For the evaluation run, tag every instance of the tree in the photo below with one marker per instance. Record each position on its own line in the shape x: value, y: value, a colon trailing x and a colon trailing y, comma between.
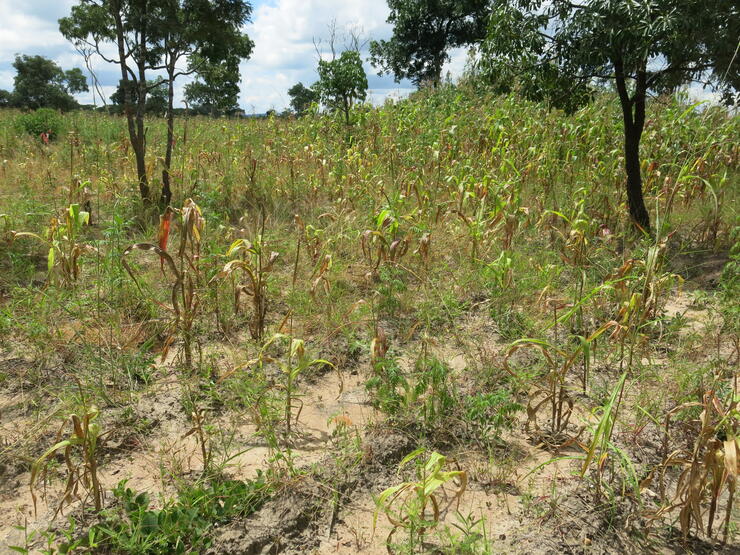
x: 157, y: 35
x: 423, y: 32
x: 6, y: 98
x: 206, y: 33
x: 558, y: 49
x: 41, y: 83
x: 342, y: 82
x: 125, y: 24
x: 156, y: 98
x: 301, y: 98
x: 216, y: 91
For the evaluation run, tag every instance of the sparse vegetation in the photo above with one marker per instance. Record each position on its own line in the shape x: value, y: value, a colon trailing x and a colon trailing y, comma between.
x: 471, y: 299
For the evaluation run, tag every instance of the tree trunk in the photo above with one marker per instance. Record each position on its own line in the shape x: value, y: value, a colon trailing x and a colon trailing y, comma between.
x: 133, y: 130
x: 140, y: 147
x: 166, y: 196
x: 346, y: 105
x: 141, y: 54
x: 638, y: 212
x: 633, y: 112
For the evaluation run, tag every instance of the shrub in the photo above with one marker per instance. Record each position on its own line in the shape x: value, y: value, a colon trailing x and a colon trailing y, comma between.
x: 43, y: 120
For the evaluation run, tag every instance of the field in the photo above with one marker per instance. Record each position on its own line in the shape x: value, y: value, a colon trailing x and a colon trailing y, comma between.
x: 434, y: 331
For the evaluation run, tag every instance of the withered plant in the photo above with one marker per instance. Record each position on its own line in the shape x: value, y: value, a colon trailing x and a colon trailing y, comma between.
x: 256, y: 266
x: 709, y: 472
x: 81, y: 457
x: 186, y: 270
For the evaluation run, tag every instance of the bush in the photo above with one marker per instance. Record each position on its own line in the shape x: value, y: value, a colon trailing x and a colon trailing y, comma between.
x: 43, y: 120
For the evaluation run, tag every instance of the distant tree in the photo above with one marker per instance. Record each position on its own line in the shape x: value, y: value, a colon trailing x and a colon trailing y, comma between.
x: 6, y: 98
x: 342, y: 82
x: 423, y: 32
x: 301, y: 98
x: 156, y: 98
x: 41, y: 83
x: 216, y: 90
x: 556, y: 50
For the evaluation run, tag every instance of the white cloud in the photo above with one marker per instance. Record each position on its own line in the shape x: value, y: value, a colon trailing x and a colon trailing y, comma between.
x: 282, y: 30
x: 26, y: 27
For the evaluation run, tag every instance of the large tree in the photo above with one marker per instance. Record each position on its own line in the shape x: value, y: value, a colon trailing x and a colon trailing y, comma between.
x: 423, y: 32
x: 556, y: 50
x: 125, y: 25
x: 41, y: 83
x: 157, y: 35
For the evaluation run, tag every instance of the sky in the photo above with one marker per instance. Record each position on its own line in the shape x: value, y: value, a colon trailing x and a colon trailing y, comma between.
x: 283, y: 32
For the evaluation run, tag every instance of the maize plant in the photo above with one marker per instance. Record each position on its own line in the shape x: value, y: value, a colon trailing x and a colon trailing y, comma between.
x: 555, y: 393
x: 709, y: 472
x: 62, y: 240
x: 256, y: 266
x: 186, y: 272
x: 417, y: 506
x: 85, y: 439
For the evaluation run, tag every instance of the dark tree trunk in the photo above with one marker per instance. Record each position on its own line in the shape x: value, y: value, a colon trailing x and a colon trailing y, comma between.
x: 166, y: 196
x: 140, y: 147
x: 638, y: 212
x: 135, y: 131
x: 633, y: 112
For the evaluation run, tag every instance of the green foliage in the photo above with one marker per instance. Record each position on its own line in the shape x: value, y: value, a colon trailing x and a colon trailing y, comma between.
x: 41, y: 83
x: 216, y: 91
x: 43, y: 120
x: 601, y: 38
x: 423, y: 32
x: 181, y: 526
x: 425, y: 396
x: 6, y: 98
x: 342, y: 82
x: 301, y: 98
x: 156, y: 96
x: 491, y: 413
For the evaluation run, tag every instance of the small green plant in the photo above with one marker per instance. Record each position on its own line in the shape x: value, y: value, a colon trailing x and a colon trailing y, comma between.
x: 491, y: 413
x: 43, y: 120
x: 416, y: 506
x: 62, y: 240
x: 182, y: 525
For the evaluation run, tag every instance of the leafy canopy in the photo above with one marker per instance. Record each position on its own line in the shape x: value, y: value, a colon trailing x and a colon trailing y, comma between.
x: 41, y: 83
x: 301, y: 98
x: 423, y: 32
x: 342, y: 81
x: 216, y: 89
x: 156, y: 97
x: 557, y: 50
